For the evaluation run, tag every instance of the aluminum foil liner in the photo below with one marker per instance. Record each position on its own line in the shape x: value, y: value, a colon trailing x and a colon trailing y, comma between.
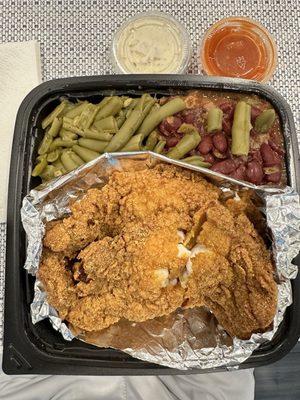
x: 186, y: 338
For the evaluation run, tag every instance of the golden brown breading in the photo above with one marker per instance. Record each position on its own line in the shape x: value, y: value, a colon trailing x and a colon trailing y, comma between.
x: 122, y: 245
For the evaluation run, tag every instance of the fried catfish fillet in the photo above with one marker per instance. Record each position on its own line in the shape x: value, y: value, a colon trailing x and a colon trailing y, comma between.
x: 119, y: 254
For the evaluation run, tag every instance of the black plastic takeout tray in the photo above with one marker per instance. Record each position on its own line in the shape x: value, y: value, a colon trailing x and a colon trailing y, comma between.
x: 39, y: 349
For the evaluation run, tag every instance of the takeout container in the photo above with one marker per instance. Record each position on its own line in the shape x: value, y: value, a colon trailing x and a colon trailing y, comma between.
x: 39, y: 349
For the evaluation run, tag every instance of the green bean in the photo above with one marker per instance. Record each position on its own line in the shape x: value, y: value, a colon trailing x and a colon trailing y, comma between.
x: 128, y: 101
x: 70, y: 106
x: 78, y: 160
x: 92, y: 144
x: 160, y: 147
x: 134, y: 144
x: 112, y: 107
x: 59, y: 166
x: 120, y: 118
x: 153, y: 120
x: 68, y: 124
x: 48, y: 173
x: 68, y: 162
x: 77, y: 110
x: 46, y: 144
x: 98, y: 135
x: 241, y: 127
x: 55, y: 113
x: 67, y: 135
x: 86, y: 154
x: 55, y: 127
x: 189, y: 142
x: 151, y: 141
x: 54, y: 155
x: 39, y: 168
x: 131, y: 124
x: 61, y: 143
x: 199, y: 163
x: 214, y: 119
x: 106, y: 124
x: 86, y: 118
x: 192, y: 158
x: 265, y: 121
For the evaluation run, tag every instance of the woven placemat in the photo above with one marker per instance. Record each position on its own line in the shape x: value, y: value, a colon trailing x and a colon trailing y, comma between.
x: 76, y: 35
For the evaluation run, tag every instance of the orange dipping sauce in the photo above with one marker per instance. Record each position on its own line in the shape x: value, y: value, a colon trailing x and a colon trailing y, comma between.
x: 239, y: 47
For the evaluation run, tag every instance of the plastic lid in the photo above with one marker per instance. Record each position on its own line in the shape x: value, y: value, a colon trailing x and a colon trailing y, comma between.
x: 151, y: 42
x: 239, y: 47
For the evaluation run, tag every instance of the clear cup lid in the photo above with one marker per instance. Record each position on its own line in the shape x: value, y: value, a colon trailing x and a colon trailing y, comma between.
x: 151, y: 42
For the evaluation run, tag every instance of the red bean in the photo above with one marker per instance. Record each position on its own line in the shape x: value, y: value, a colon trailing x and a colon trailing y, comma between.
x: 209, y: 158
x: 228, y: 108
x: 220, y: 142
x: 163, y: 130
x: 239, y: 173
x: 269, y: 156
x: 276, y: 148
x: 205, y: 145
x: 254, y: 172
x: 172, y: 141
x: 255, y: 111
x: 226, y: 125
x: 224, y: 167
x: 274, y: 178
x: 171, y: 124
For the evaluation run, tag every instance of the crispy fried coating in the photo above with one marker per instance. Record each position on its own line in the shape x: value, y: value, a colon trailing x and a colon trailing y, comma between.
x: 117, y: 255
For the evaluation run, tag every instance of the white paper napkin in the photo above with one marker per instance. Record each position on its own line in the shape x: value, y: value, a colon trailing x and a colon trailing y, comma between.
x: 20, y: 71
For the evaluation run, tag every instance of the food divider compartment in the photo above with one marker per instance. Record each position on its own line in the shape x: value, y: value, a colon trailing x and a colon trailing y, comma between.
x: 39, y: 349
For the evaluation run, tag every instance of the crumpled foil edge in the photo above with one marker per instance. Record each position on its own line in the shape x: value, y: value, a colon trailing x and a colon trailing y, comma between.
x: 283, y: 216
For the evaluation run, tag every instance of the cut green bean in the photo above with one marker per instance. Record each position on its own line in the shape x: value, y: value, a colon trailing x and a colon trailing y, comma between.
x: 61, y: 143
x: 55, y: 113
x: 189, y: 142
x: 199, y: 163
x: 241, y: 129
x: 106, y: 124
x: 68, y: 162
x: 68, y: 124
x: 154, y: 119
x: 214, y: 119
x: 134, y: 144
x: 46, y: 144
x: 112, y: 107
x: 86, y: 118
x: 265, y: 121
x: 39, y: 168
x: 192, y: 158
x: 92, y: 144
x: 159, y: 148
x: 98, y: 135
x: 59, y: 166
x: 131, y: 124
x: 48, y: 173
x: 120, y: 118
x: 54, y: 155
x: 78, y: 160
x: 67, y: 135
x: 151, y: 141
x: 86, y: 154
x: 77, y: 110
x: 55, y: 127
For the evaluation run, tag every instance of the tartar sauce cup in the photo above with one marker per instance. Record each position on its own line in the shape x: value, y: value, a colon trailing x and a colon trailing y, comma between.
x: 151, y: 42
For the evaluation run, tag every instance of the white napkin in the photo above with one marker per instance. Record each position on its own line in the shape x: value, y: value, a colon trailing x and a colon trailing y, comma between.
x: 20, y: 71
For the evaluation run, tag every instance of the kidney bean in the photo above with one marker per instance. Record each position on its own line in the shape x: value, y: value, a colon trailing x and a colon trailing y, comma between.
x: 228, y: 108
x: 220, y: 142
x: 172, y: 141
x: 226, y: 125
x: 206, y: 145
x: 171, y: 124
x: 224, y: 167
x: 255, y: 155
x: 269, y: 156
x: 254, y: 172
x: 163, y: 130
x: 209, y: 158
x: 274, y: 177
x: 255, y: 111
x: 239, y: 173
x: 274, y: 147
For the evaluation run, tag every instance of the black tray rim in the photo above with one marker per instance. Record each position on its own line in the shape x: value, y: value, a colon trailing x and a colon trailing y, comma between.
x: 21, y: 355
